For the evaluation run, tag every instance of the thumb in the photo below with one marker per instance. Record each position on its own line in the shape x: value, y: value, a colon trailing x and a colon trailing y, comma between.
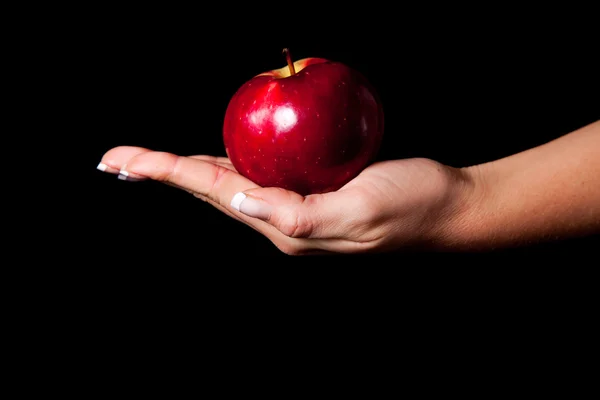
x: 315, y: 216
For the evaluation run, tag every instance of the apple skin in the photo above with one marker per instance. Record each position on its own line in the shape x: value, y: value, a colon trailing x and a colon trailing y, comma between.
x: 309, y: 132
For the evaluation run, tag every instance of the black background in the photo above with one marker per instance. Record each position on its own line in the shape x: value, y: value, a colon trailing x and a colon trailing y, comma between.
x: 458, y: 86
x: 137, y: 271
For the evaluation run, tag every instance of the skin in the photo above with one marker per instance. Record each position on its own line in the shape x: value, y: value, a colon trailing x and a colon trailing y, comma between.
x: 548, y: 192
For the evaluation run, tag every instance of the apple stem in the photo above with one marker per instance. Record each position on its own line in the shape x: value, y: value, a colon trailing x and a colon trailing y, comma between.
x: 290, y: 63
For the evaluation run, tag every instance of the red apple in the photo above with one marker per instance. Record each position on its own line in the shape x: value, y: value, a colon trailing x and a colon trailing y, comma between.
x: 309, y: 127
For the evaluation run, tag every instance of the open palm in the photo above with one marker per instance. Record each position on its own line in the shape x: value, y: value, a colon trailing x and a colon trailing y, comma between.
x: 390, y: 204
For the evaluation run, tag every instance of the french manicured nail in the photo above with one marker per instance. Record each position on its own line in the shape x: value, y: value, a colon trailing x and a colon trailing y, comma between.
x: 251, y: 206
x: 129, y: 177
x: 102, y: 167
x: 106, y: 168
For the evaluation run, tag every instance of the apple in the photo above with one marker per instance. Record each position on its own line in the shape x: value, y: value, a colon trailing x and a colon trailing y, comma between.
x: 309, y: 127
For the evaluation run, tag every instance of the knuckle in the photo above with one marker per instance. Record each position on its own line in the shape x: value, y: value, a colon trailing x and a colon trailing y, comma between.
x: 295, y: 225
x: 219, y: 174
x: 175, y: 167
x: 289, y: 226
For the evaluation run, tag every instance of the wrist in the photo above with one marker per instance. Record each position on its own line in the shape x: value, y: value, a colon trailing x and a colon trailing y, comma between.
x: 462, y: 216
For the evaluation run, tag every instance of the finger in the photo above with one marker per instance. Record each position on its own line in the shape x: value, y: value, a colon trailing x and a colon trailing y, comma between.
x: 215, y: 182
x: 194, y: 176
x: 288, y: 245
x: 115, y: 158
x: 285, y: 244
x: 125, y: 174
x: 260, y: 226
x: 334, y: 215
x: 295, y: 246
x: 218, y: 185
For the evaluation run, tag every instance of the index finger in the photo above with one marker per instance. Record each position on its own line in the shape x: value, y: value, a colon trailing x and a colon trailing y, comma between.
x: 117, y: 157
x: 213, y: 181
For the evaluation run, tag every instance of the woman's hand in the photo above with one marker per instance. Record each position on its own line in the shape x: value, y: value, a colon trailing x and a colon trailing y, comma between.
x: 551, y: 191
x: 390, y: 205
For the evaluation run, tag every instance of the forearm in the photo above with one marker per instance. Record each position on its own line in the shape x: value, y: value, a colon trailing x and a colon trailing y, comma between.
x: 549, y: 192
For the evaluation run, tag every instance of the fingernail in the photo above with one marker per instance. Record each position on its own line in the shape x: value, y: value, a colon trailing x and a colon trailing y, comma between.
x: 107, y: 168
x: 251, y: 206
x: 126, y: 176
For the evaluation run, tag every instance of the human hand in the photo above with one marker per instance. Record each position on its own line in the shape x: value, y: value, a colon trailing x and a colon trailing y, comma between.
x: 390, y: 205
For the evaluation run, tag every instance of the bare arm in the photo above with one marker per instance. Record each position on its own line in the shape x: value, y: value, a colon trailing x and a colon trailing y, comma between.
x: 548, y: 192
x: 551, y: 191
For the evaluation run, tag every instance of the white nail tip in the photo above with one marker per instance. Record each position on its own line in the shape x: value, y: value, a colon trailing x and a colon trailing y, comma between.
x: 124, y: 173
x: 122, y: 177
x: 102, y: 167
x: 237, y: 200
